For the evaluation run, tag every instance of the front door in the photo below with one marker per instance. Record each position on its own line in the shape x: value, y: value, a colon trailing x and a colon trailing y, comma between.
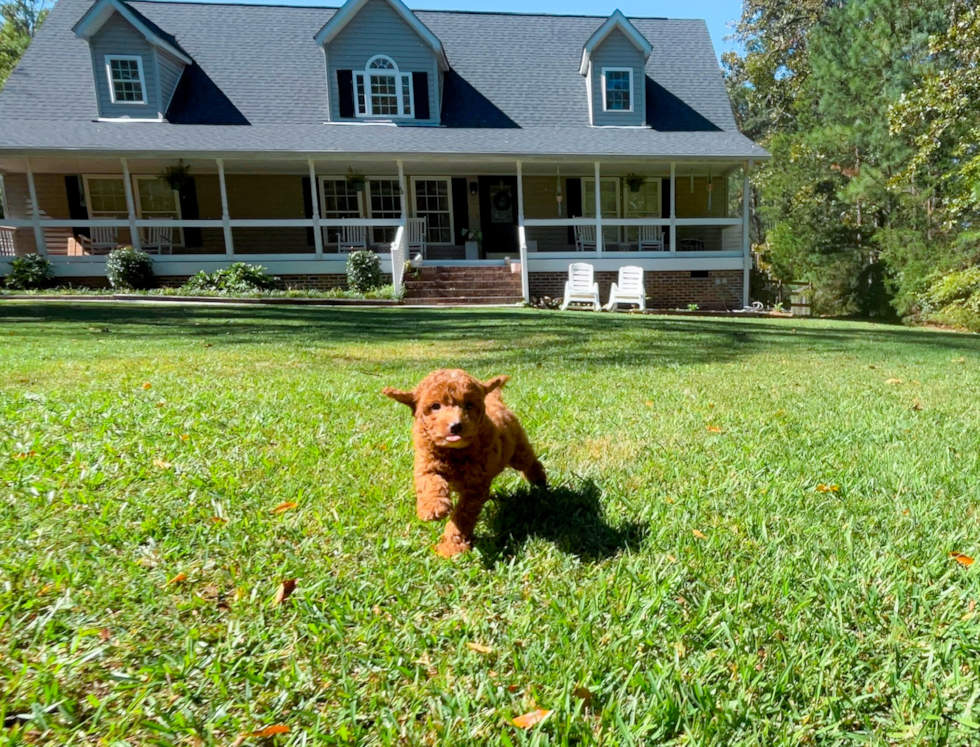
x: 498, y: 216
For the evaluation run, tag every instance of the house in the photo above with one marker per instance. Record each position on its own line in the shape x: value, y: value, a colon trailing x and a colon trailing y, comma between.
x: 294, y: 134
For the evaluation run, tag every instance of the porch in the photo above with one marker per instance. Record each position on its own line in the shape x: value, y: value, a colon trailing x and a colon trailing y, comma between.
x: 296, y: 215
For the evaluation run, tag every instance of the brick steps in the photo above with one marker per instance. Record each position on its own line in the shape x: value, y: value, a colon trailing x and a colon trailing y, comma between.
x: 463, y: 285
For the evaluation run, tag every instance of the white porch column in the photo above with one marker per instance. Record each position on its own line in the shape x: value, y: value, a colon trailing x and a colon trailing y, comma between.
x: 315, y: 195
x: 134, y: 232
x: 403, y: 190
x: 746, y: 246
x: 598, y: 211
x: 225, y: 216
x: 673, y: 208
x: 522, y: 233
x: 42, y: 247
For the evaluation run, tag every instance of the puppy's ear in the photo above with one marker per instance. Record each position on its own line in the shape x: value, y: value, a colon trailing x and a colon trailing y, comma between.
x: 495, y: 383
x: 406, y: 398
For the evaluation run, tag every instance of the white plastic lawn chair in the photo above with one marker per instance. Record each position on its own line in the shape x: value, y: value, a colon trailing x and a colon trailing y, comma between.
x: 581, y: 286
x: 352, y: 238
x: 416, y: 236
x: 628, y: 289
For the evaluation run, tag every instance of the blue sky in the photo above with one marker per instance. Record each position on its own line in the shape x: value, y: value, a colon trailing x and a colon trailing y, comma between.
x: 719, y: 14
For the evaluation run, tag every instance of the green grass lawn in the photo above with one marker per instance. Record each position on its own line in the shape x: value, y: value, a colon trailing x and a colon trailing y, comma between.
x: 747, y: 542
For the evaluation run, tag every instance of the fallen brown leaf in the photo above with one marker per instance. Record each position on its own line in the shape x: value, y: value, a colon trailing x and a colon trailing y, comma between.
x: 531, y: 718
x: 583, y: 694
x: 105, y: 634
x: 961, y: 558
x: 269, y: 731
x: 25, y: 454
x: 479, y: 648
x: 162, y: 464
x: 177, y: 579
x: 892, y: 382
x: 512, y: 688
x: 283, y: 507
x: 218, y: 520
x: 699, y: 535
x: 671, y: 558
x: 821, y: 488
x: 147, y: 385
x: 714, y: 429
x: 285, y: 589
x: 184, y: 436
x: 916, y: 405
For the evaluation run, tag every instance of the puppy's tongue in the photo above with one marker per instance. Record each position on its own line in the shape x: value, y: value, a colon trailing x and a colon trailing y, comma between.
x: 452, y: 438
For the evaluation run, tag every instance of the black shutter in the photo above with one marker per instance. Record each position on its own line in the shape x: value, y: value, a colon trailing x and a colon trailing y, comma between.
x: 420, y: 90
x: 188, y: 211
x: 76, y: 204
x: 345, y: 93
x: 461, y: 207
x: 308, y: 209
x: 573, y: 198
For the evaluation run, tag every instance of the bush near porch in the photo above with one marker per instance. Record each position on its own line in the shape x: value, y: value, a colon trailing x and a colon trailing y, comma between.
x: 748, y: 541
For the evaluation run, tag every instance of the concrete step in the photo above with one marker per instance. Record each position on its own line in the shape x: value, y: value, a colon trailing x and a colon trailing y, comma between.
x: 424, y: 286
x: 465, y: 300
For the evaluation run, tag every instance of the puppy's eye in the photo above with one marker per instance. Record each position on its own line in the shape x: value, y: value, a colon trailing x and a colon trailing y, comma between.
x: 469, y: 406
x: 435, y: 407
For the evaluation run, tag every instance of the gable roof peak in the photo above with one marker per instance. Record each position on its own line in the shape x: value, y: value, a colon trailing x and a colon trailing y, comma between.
x: 102, y: 10
x: 615, y: 21
x: 351, y: 8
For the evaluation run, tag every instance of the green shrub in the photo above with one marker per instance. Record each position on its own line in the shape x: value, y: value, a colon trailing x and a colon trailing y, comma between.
x: 954, y: 299
x: 30, y: 272
x: 240, y: 277
x: 129, y: 269
x: 363, y: 271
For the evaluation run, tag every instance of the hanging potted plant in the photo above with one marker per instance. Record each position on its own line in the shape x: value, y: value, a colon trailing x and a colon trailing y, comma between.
x: 355, y: 180
x: 634, y: 181
x: 177, y: 177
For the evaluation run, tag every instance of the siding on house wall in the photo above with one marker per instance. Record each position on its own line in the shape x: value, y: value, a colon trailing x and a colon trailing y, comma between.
x: 117, y: 37
x: 378, y: 29
x: 617, y: 50
x: 170, y: 72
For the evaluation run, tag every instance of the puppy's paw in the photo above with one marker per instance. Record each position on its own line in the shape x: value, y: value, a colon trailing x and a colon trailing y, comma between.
x: 447, y: 548
x: 433, y: 510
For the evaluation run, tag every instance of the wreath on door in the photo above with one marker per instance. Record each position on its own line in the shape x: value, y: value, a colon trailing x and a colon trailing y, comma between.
x: 502, y: 201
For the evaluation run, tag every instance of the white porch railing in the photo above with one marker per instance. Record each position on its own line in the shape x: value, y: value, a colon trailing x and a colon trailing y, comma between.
x: 7, y: 241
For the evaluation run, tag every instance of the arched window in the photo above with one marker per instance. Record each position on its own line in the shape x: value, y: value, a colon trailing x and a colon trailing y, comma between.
x: 382, y: 91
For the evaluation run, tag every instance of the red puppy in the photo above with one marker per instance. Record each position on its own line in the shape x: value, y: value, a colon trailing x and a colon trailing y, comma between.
x: 464, y: 437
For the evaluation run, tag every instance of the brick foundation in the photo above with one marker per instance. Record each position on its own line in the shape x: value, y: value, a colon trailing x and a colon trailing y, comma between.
x: 720, y: 290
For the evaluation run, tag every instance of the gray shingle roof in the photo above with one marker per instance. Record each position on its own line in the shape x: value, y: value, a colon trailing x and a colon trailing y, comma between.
x: 514, y: 88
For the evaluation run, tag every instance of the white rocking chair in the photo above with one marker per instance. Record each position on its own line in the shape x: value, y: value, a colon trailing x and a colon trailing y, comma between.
x: 628, y: 289
x: 416, y: 236
x: 651, y: 239
x: 102, y: 241
x: 581, y: 286
x: 158, y: 240
x: 352, y: 238
x: 585, y: 238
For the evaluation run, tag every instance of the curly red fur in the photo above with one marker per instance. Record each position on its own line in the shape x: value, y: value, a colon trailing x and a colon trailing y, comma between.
x: 464, y: 437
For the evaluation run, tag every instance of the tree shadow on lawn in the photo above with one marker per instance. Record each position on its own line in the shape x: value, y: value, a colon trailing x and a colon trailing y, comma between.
x: 519, y: 335
x: 571, y: 517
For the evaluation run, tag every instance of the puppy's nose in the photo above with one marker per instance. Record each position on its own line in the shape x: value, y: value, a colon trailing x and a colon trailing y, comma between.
x: 456, y: 428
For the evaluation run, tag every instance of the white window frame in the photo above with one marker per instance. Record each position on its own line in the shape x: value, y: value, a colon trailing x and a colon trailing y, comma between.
x: 362, y: 80
x: 109, y: 59
x: 605, y: 99
x: 178, y: 237
x: 449, y: 194
x: 366, y: 200
x: 323, y: 179
x: 88, y: 195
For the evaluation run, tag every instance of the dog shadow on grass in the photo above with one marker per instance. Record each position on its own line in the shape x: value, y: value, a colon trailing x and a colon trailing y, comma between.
x: 571, y: 516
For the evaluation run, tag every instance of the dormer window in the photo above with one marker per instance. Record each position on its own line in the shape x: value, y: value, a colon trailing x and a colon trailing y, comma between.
x: 617, y: 89
x: 126, y: 82
x: 382, y: 91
